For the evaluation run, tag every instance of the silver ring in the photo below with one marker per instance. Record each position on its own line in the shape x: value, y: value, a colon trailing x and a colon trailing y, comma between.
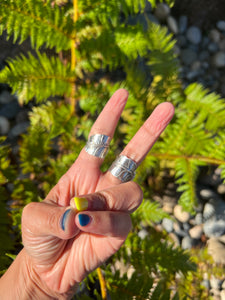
x: 98, y: 145
x: 123, y: 168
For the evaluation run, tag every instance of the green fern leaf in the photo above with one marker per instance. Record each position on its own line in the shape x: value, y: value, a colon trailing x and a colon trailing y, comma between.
x: 40, y: 77
x: 41, y: 22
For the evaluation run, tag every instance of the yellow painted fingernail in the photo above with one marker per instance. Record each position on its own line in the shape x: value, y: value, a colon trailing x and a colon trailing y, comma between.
x: 80, y: 203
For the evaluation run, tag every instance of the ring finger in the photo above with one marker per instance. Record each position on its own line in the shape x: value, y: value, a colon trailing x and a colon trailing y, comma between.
x: 144, y: 139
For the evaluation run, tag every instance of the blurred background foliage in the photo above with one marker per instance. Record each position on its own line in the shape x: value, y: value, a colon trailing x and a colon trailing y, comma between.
x: 82, y: 52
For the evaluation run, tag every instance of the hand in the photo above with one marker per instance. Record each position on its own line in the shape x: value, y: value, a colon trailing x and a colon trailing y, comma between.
x: 61, y: 253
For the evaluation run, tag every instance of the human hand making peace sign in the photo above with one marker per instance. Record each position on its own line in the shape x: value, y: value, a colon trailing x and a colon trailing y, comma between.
x: 61, y: 244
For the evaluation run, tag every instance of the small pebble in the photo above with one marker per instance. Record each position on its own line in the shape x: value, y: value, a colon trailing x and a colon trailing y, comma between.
x: 196, y: 232
x: 221, y: 25
x: 221, y: 189
x: 216, y: 248
x: 222, y: 295
x: 182, y: 24
x: 6, y: 97
x: 215, y: 283
x: 214, y: 35
x: 174, y: 238
x: 4, y: 126
x: 194, y: 35
x: 162, y: 11
x: 208, y: 211
x: 167, y: 224
x: 187, y: 243
x: 188, y: 56
x: 218, y: 59
x: 172, y: 24
x: 198, y: 219
x: 180, y: 214
x: 143, y: 233
x: 214, y: 228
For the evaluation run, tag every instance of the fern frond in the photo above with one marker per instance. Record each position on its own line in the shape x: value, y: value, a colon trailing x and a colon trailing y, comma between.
x: 149, y: 212
x: 47, y: 122
x: 40, y: 77
x: 210, y: 107
x: 186, y: 175
x: 37, y: 20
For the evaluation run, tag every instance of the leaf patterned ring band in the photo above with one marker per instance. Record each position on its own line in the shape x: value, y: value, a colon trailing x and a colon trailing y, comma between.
x: 123, y: 168
x: 98, y: 145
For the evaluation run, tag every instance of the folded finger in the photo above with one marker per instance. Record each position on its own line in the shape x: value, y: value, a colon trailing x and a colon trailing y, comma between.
x: 106, y: 223
x: 125, y: 198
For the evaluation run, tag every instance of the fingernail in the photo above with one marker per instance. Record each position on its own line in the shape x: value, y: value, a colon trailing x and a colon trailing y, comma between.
x: 80, y: 203
x: 64, y: 219
x: 84, y: 219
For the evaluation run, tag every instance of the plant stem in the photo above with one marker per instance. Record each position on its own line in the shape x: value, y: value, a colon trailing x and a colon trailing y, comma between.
x: 73, y: 56
x: 102, y: 284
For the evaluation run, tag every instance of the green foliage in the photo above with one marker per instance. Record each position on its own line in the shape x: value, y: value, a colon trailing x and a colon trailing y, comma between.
x: 116, y: 45
x: 39, y: 77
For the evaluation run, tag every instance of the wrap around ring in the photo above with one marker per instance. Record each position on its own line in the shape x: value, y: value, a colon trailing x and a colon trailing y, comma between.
x: 98, y: 145
x: 123, y: 168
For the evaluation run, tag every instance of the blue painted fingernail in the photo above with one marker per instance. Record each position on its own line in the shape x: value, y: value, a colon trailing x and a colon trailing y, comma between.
x: 84, y: 219
x: 64, y: 219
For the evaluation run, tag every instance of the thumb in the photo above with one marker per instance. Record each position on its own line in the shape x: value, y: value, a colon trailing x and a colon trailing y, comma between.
x: 48, y: 219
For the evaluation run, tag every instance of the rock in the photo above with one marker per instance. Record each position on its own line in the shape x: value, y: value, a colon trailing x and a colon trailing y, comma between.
x: 196, y: 232
x: 208, y: 211
x: 148, y: 7
x: 167, y: 224
x: 188, y: 56
x: 218, y: 59
x: 214, y: 228
x: 213, y: 47
x: 181, y: 41
x: 194, y: 35
x: 182, y: 24
x: 206, y: 194
x: 214, y: 36
x: 216, y: 248
x: 172, y: 24
x: 6, y: 97
x: 198, y: 219
x: 221, y: 189
x: 180, y: 214
x: 4, y: 126
x: 221, y: 25
x: 215, y: 283
x: 18, y: 129
x: 222, y: 45
x: 168, y: 207
x: 187, y: 243
x: 192, y: 75
x: 143, y: 233
x: 222, y: 295
x: 174, y: 238
x: 204, y: 55
x: 162, y: 11
x: 178, y: 230
x: 22, y: 116
x: 10, y: 110
x: 196, y: 66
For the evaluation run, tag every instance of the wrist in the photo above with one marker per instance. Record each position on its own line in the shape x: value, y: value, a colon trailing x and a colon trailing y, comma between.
x: 21, y: 281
